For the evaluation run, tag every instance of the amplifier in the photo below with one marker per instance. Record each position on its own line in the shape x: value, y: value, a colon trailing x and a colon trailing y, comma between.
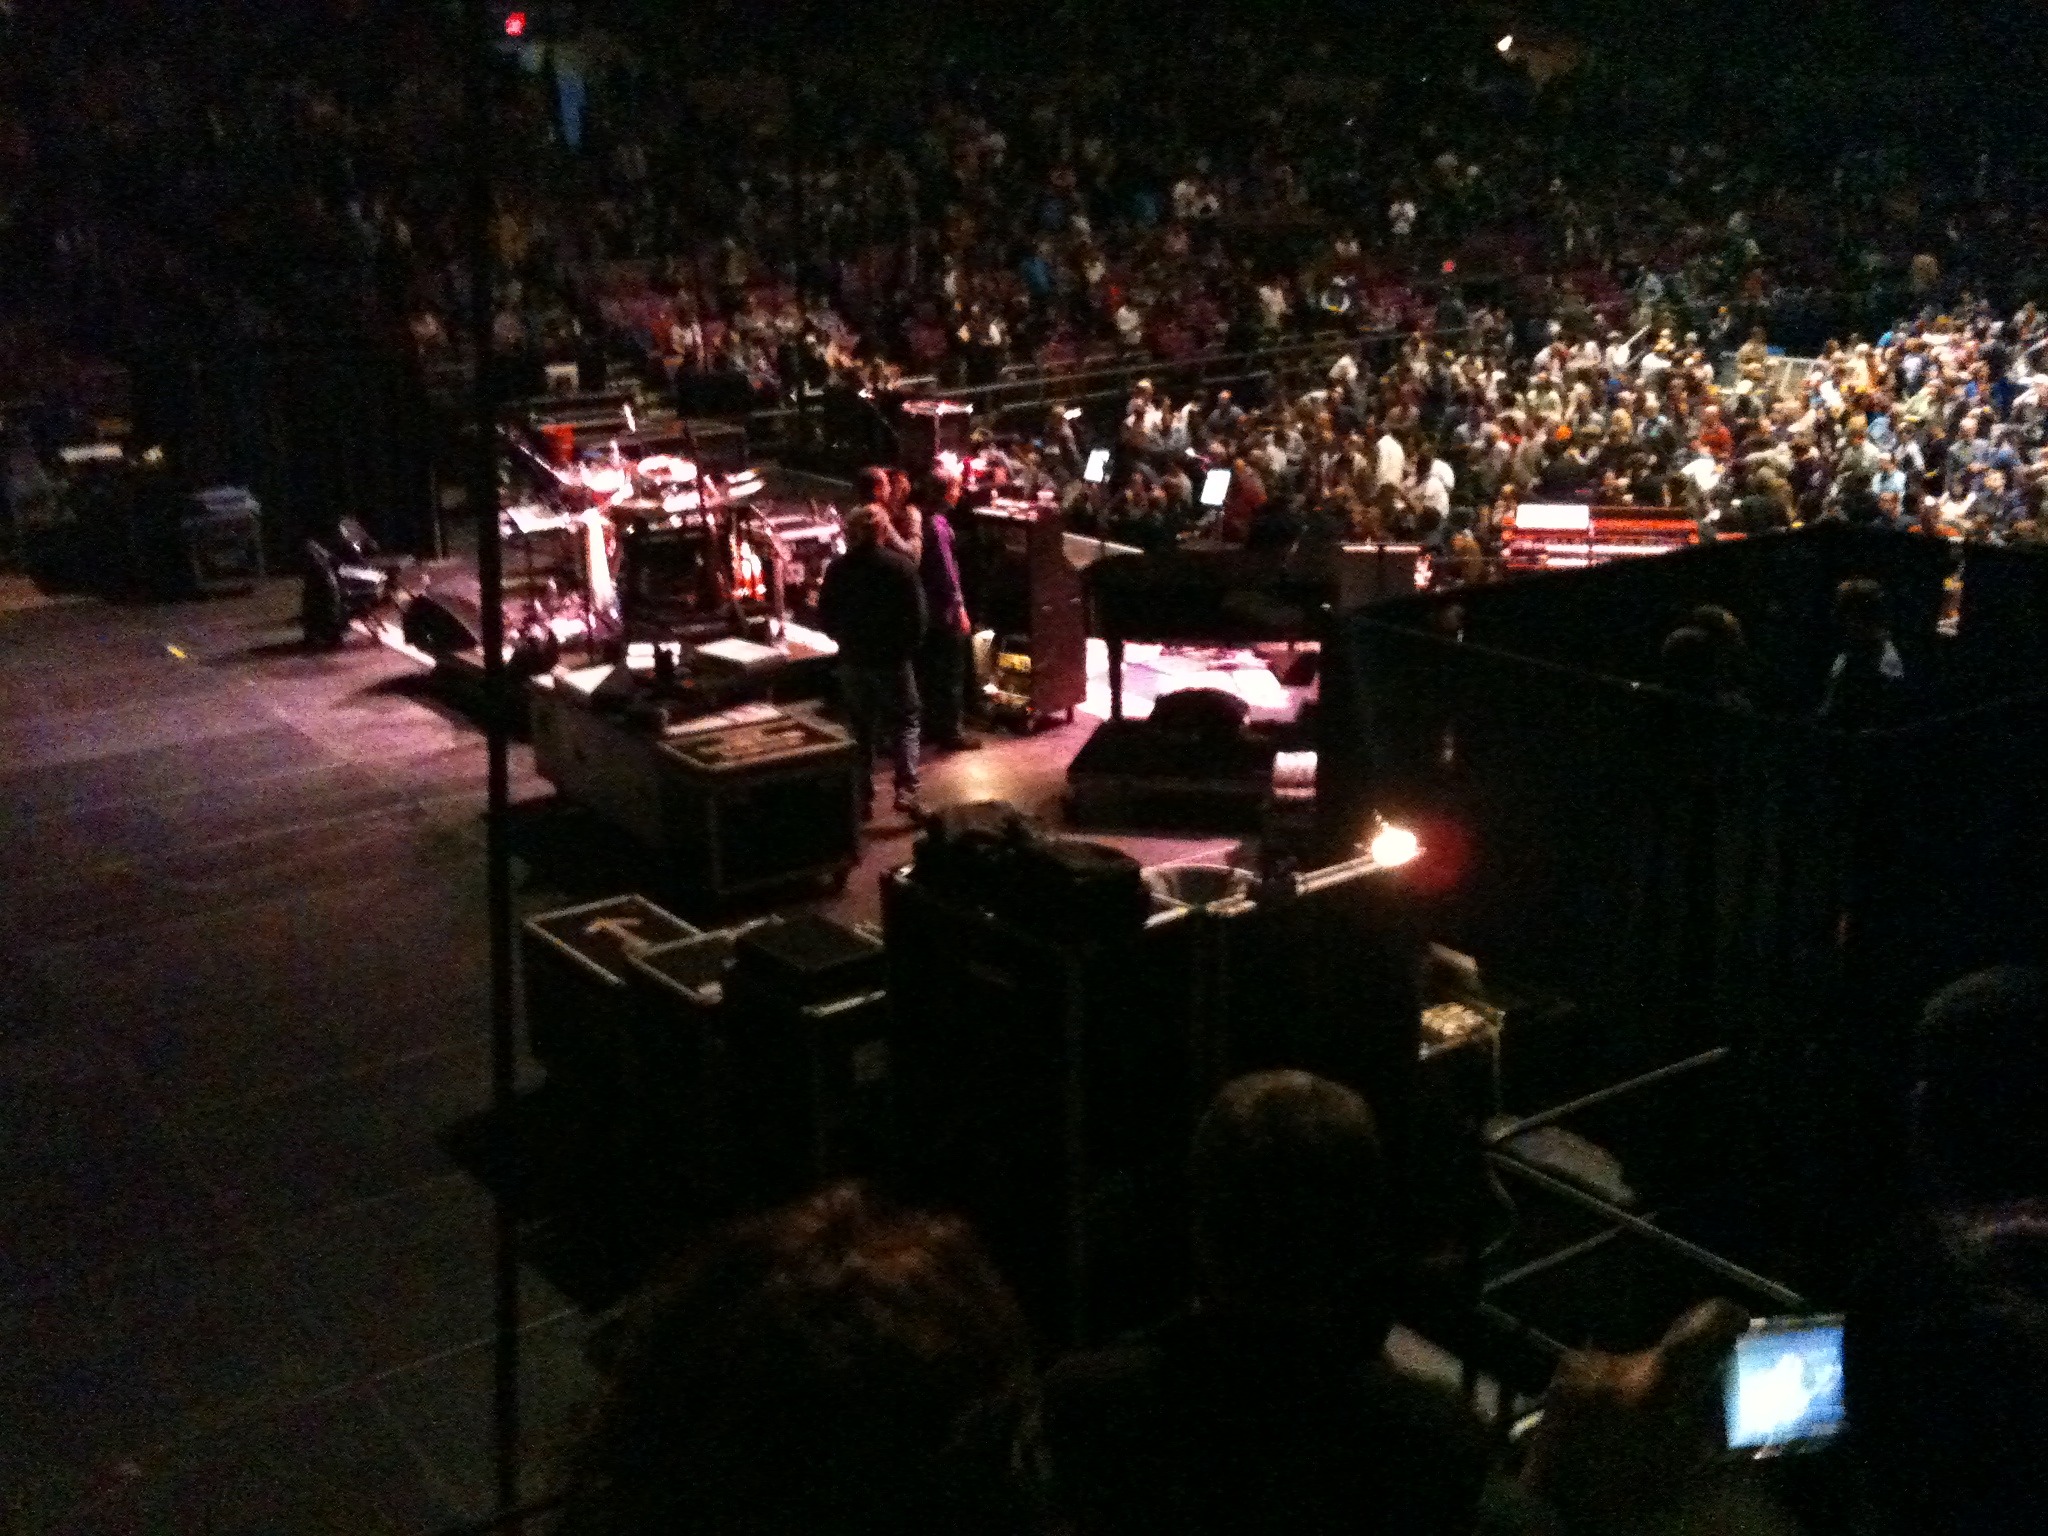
x: 1045, y: 1090
x: 719, y: 447
x: 1020, y: 583
x: 927, y: 428
x: 222, y: 534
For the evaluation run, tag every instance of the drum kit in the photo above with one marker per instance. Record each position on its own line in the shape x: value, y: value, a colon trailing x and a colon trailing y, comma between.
x: 656, y: 546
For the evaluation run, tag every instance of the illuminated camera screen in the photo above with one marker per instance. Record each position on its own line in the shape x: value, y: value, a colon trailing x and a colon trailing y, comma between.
x: 1784, y: 1387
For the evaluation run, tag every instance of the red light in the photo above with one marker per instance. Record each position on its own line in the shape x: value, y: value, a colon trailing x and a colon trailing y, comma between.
x: 1450, y: 266
x: 515, y: 23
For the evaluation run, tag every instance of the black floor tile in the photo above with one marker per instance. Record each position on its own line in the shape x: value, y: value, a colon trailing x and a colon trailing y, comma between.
x: 335, y: 1467
x: 88, y: 1177
x: 159, y: 770
x: 397, y: 1280
x: 157, y: 1352
x: 346, y: 1139
x: 276, y: 1040
x: 444, y: 1410
x: 131, y: 726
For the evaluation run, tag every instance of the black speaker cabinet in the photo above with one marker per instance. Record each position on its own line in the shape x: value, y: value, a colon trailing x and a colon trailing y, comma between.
x: 1044, y: 1089
x: 927, y: 428
x: 807, y: 1057
x: 1021, y: 585
x: 675, y: 1122
x: 221, y: 531
x: 442, y: 623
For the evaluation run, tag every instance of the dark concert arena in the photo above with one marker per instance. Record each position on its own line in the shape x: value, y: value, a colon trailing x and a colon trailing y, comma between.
x: 1070, y: 768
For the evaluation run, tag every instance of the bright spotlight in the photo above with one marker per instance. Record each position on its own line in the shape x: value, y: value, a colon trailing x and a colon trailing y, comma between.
x: 1505, y: 44
x: 1392, y: 845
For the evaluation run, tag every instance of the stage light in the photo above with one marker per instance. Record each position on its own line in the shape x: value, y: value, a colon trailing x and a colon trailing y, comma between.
x: 1392, y: 845
x: 1505, y: 44
x: 515, y: 24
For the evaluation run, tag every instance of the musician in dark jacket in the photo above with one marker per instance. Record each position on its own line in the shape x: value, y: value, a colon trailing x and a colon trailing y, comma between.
x: 946, y: 659
x: 872, y: 605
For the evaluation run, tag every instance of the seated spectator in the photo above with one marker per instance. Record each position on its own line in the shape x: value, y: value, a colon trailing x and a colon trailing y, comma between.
x: 1686, y: 661
x: 1979, y: 1111
x: 1944, y: 1356
x: 1866, y: 684
x: 1271, y: 1405
x: 831, y: 1366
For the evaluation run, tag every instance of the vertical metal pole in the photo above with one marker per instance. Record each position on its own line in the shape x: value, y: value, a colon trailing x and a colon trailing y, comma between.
x: 483, y: 497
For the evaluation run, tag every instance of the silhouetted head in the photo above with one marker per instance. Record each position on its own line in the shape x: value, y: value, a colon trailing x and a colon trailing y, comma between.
x: 1290, y: 1202
x: 1942, y: 1371
x: 833, y: 1365
x: 1980, y: 1092
x: 873, y: 484
x: 1687, y: 660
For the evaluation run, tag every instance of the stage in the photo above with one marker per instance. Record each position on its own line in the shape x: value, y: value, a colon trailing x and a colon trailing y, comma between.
x: 243, y: 963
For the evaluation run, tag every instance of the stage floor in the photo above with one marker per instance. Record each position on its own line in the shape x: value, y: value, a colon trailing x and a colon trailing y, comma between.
x: 243, y: 1285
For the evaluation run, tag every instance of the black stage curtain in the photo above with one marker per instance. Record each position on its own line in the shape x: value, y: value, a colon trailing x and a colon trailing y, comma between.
x: 1691, y: 875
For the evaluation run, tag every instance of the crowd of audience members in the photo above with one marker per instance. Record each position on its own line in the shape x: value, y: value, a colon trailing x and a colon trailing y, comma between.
x: 841, y: 1364
x: 1940, y: 426
x: 766, y: 219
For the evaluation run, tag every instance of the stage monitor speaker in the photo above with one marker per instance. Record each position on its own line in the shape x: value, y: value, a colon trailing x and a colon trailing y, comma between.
x: 1142, y: 774
x: 1202, y: 714
x: 443, y: 623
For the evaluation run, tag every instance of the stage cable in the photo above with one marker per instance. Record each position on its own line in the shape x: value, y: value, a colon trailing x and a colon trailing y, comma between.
x: 483, y: 498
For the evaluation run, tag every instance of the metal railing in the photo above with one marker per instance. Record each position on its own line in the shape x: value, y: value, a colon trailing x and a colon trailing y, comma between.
x: 1032, y: 387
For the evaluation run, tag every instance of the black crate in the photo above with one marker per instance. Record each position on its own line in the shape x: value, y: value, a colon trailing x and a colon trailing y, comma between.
x: 674, y: 1126
x: 575, y: 962
x: 806, y: 1028
x: 754, y: 807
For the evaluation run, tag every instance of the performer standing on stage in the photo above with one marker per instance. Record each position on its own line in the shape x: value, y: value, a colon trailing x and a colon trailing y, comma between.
x: 945, y: 660
x: 871, y: 603
x: 886, y: 493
